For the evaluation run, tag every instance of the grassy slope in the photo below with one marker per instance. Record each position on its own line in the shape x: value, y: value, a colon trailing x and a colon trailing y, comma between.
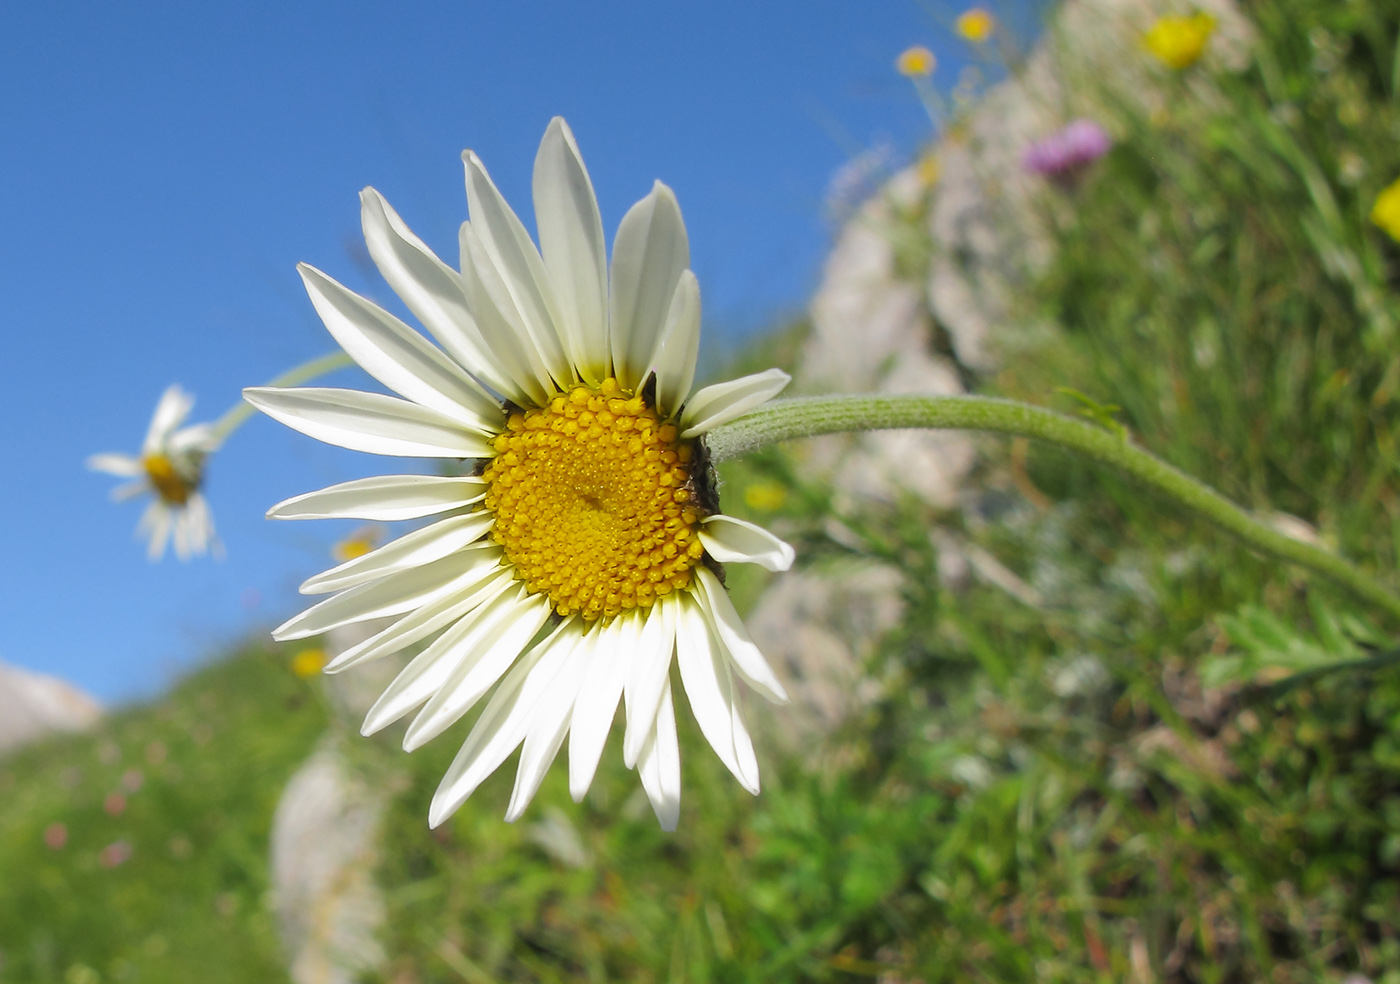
x: 210, y: 759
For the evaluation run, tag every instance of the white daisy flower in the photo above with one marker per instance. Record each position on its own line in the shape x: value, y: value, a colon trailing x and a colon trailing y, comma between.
x: 585, y: 549
x: 171, y: 468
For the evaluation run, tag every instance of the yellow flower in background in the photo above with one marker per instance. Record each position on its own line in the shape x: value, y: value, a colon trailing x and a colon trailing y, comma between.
x: 1178, y: 41
x: 765, y: 496
x: 916, y: 62
x: 309, y: 662
x: 1386, y: 212
x: 976, y: 24
x: 929, y: 169
x: 357, y: 544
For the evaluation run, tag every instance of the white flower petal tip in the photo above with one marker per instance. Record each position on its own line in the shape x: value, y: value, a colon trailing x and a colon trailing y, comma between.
x: 723, y: 402
x: 571, y: 244
x: 724, y: 621
x: 385, y: 499
x: 649, y: 255
x: 535, y: 360
x: 734, y: 541
x: 170, y: 468
x: 368, y: 422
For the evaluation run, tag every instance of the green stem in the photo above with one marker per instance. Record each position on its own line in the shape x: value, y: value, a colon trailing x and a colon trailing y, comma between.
x: 785, y: 420
x: 307, y: 371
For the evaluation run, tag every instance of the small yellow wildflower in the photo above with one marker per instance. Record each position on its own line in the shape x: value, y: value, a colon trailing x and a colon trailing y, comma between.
x: 976, y: 24
x: 1386, y: 212
x: 916, y: 61
x: 357, y: 544
x: 765, y: 496
x: 1178, y: 41
x: 929, y: 169
x: 307, y: 663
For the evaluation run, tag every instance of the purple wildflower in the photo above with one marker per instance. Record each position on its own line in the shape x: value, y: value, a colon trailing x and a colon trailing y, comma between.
x: 1066, y: 154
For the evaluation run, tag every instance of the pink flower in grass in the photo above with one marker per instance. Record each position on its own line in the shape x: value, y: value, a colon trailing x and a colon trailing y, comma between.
x: 1066, y: 154
x: 115, y: 854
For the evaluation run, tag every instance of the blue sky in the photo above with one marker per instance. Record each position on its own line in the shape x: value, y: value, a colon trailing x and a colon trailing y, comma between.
x: 167, y: 165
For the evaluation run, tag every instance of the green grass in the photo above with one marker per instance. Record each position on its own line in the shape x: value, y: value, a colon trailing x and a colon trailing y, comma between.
x: 201, y: 771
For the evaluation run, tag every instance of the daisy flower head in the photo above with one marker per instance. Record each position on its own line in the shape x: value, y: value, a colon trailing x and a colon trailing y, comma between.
x: 170, y: 468
x: 584, y: 549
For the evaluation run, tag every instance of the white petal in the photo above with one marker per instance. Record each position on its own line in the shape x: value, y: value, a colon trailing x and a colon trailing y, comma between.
x: 722, y: 402
x: 422, y: 546
x: 398, y: 356
x: 121, y: 465
x: 507, y: 337
x: 198, y: 439
x: 679, y: 347
x: 418, y: 624
x: 597, y: 699
x: 571, y: 240
x: 392, y: 595
x: 368, y: 422
x: 519, y: 263
x: 660, y: 764
x: 130, y: 490
x: 174, y: 406
x: 650, y: 671
x: 550, y: 724
x: 430, y: 288
x: 482, y: 666
x: 705, y: 674
x: 434, y: 666
x: 504, y: 722
x: 649, y: 253
x: 197, y: 528
x: 734, y: 541
x: 155, y: 524
x: 383, y: 498
x: 729, y: 629
x: 743, y: 744
x: 180, y: 539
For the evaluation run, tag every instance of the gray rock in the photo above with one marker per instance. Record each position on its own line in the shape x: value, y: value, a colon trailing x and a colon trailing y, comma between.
x: 818, y: 629
x: 324, y: 851
x: 33, y: 705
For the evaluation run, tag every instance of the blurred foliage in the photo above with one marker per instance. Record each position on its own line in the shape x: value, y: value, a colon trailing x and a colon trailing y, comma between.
x: 1141, y: 755
x: 139, y: 852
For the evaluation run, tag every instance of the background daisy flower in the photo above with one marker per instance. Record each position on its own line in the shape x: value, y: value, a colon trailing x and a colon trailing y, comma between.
x: 171, y: 469
x: 585, y: 550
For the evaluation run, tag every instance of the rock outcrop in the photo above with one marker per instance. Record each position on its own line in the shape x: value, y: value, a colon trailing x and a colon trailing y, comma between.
x: 919, y: 294
x: 33, y: 705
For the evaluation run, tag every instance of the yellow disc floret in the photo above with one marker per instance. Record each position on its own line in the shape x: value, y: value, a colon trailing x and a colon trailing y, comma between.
x: 594, y: 503
x: 168, y: 481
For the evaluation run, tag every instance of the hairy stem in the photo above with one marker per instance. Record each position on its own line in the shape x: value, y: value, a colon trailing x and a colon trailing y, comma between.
x: 785, y: 420
x: 307, y: 371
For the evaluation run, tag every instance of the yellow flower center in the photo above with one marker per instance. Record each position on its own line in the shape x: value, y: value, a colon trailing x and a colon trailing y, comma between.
x: 173, y: 487
x: 594, y: 501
